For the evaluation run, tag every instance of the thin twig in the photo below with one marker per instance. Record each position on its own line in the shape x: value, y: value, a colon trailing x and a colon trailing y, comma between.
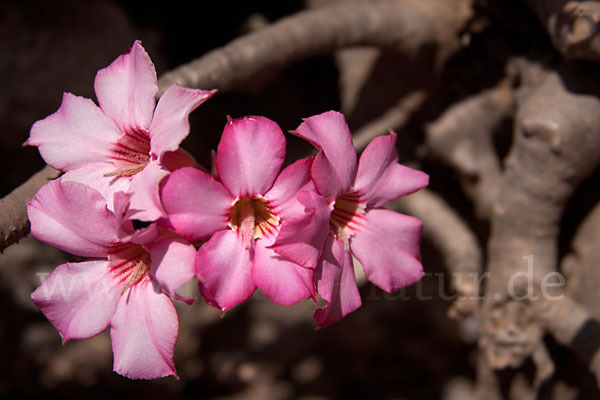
x: 456, y: 242
x: 13, y: 210
x: 462, y: 137
x: 392, y: 119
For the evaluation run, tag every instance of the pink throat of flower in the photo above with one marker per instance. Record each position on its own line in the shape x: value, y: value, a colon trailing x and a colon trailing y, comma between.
x: 131, y: 153
x: 253, y: 218
x: 347, y: 216
x: 129, y: 265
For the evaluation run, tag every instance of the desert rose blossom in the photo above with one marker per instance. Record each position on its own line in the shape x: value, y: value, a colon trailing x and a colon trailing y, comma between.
x: 349, y: 211
x: 240, y: 214
x: 125, y: 283
x: 126, y: 144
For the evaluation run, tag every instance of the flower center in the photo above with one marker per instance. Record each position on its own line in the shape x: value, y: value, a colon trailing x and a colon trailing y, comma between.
x: 131, y: 153
x: 253, y: 219
x: 129, y: 265
x: 347, y: 215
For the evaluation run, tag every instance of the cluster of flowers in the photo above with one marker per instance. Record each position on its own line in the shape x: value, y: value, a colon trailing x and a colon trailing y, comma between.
x: 291, y: 233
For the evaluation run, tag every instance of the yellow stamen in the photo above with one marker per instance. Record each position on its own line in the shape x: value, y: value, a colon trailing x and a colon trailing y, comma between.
x: 130, y: 265
x: 253, y: 218
x: 346, y: 216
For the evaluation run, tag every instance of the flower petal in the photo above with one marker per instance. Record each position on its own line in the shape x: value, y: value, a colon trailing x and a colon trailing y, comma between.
x: 126, y: 89
x: 289, y: 182
x: 380, y: 179
x: 74, y: 218
x: 75, y: 135
x: 145, y: 202
x: 92, y: 175
x: 281, y: 280
x: 197, y: 204
x: 79, y: 299
x: 250, y: 155
x: 301, y: 239
x: 172, y: 264
x: 121, y: 207
x: 127, y: 232
x: 179, y: 158
x: 223, y: 270
x: 388, y: 249
x: 170, y: 124
x: 143, y: 332
x: 334, y: 167
x: 144, y: 236
x: 336, y: 283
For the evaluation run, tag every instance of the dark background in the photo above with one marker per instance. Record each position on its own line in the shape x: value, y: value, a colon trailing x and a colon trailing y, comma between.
x: 394, y: 347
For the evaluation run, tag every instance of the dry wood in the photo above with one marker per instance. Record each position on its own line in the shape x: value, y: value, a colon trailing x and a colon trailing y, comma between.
x: 13, y: 207
x: 462, y: 137
x: 573, y: 25
x: 557, y: 136
x: 455, y: 241
x: 405, y: 25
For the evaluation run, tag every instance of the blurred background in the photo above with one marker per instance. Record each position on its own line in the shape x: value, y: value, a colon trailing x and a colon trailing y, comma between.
x: 399, y: 346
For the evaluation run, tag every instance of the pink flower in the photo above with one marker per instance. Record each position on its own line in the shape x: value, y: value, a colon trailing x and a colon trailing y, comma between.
x: 348, y: 217
x: 125, y: 144
x: 241, y: 214
x: 125, y: 284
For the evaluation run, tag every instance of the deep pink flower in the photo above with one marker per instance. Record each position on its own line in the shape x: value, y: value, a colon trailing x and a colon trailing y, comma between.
x: 125, y: 144
x: 125, y: 284
x: 348, y: 217
x: 241, y: 214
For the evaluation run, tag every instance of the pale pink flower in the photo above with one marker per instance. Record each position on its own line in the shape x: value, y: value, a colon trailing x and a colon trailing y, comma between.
x: 125, y: 144
x: 241, y: 214
x: 348, y: 217
x: 125, y: 283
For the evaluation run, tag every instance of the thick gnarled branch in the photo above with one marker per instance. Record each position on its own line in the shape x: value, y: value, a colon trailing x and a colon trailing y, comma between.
x: 573, y: 326
x: 581, y: 265
x: 573, y: 26
x: 552, y: 152
x: 408, y: 26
